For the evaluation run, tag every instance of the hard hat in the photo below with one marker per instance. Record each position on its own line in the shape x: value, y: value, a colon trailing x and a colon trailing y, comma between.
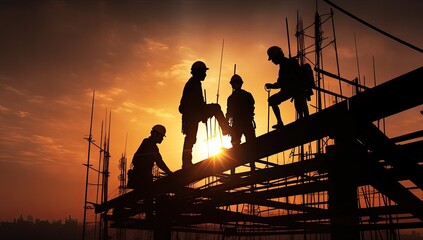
x: 160, y: 129
x: 236, y: 79
x: 199, y: 65
x: 273, y: 51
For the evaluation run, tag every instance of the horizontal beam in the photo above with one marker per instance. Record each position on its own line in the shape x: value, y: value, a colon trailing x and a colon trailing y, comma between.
x: 384, y: 100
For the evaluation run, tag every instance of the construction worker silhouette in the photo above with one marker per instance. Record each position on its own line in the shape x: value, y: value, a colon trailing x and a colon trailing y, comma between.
x: 140, y: 177
x: 240, y: 113
x: 288, y: 82
x: 194, y: 109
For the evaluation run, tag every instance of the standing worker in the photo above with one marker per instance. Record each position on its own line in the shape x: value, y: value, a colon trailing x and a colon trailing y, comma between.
x: 288, y: 82
x: 240, y: 114
x: 194, y: 109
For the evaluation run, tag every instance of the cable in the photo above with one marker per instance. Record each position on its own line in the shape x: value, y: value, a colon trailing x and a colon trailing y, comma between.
x: 375, y: 28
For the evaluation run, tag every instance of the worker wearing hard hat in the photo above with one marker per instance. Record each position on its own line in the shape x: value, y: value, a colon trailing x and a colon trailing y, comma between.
x: 286, y: 81
x: 194, y: 109
x: 140, y: 177
x: 240, y: 114
x: 145, y: 157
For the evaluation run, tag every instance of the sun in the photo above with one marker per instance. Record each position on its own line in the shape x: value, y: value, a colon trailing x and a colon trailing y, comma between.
x: 217, y: 144
x: 213, y: 146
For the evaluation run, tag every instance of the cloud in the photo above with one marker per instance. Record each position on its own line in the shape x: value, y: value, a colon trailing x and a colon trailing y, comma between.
x: 49, y: 145
x: 160, y: 113
x: 127, y: 107
x: 178, y: 72
x: 130, y: 107
x: 103, y: 96
x: 22, y: 114
x: 109, y: 95
x: 34, y: 149
x: 69, y: 102
x: 147, y: 47
x: 14, y: 90
x: 117, y: 91
x: 37, y: 99
x: 154, y: 45
x: 4, y: 109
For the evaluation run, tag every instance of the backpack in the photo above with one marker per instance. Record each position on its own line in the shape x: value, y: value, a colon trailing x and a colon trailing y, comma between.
x: 307, y: 79
x: 131, y: 179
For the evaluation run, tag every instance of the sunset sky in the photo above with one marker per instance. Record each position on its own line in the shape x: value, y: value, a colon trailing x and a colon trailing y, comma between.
x: 136, y: 56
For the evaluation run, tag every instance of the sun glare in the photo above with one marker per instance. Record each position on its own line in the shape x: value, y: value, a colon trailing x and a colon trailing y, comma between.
x: 214, y: 146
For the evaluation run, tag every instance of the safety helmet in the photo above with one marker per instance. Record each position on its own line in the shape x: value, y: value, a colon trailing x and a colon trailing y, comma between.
x: 236, y: 79
x: 160, y: 129
x: 273, y: 51
x: 199, y: 65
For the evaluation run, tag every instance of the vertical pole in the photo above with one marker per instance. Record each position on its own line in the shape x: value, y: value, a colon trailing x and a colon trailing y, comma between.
x: 98, y: 189
x: 218, y: 93
x: 300, y: 40
x: 357, y: 80
x: 162, y: 227
x: 100, y: 179
x: 374, y: 83
x: 301, y: 56
x: 220, y: 72
x: 374, y: 71
x: 336, y: 52
x: 342, y: 192
x: 287, y: 36
x: 317, y: 35
x: 207, y: 128
x: 106, y: 178
x: 88, y: 168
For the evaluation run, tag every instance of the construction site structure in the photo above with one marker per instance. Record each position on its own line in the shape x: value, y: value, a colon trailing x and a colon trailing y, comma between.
x: 95, y: 226
x: 326, y: 194
x: 345, y: 178
x: 121, y: 233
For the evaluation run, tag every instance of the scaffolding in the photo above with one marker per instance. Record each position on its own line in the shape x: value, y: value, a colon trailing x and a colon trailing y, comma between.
x: 355, y: 187
x: 92, y: 197
x: 344, y: 178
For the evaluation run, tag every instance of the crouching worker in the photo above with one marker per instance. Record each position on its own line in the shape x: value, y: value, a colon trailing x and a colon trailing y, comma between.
x: 140, y: 177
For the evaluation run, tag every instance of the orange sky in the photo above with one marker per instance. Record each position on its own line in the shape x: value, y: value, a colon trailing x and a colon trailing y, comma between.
x: 136, y: 55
